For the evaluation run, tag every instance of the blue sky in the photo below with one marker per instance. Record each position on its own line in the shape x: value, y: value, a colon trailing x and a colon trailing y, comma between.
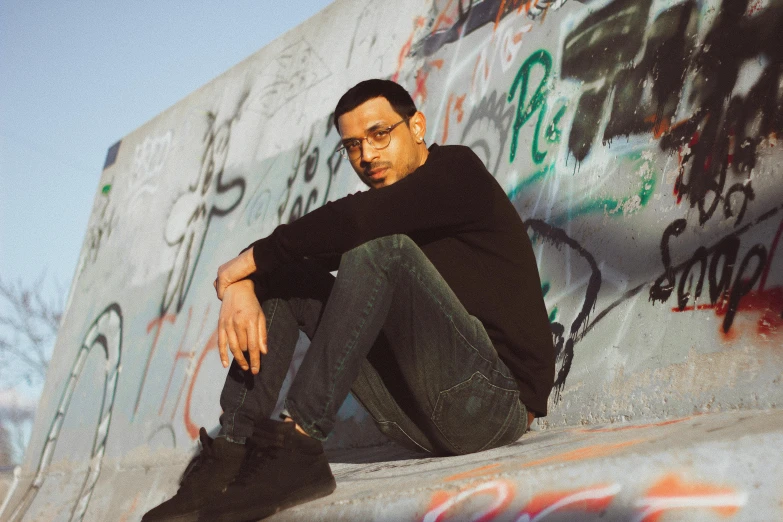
x: 77, y: 76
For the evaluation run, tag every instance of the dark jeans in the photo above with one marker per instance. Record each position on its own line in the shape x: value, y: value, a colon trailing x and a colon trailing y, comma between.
x: 390, y: 330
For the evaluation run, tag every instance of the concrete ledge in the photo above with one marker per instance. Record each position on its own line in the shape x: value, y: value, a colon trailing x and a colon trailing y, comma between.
x: 707, y: 467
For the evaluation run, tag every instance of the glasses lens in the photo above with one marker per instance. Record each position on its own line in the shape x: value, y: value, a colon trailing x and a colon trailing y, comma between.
x: 380, y: 139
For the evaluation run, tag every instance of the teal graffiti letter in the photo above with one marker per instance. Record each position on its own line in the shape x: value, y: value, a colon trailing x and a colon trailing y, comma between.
x: 537, y: 101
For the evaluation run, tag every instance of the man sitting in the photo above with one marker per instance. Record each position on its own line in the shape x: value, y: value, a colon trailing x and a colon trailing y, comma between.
x: 435, y: 321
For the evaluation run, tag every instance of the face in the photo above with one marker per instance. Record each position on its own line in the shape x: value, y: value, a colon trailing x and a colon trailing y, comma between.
x: 405, y: 153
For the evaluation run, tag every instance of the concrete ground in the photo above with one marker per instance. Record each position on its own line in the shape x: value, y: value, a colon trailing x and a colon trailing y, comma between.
x: 715, y: 466
x: 718, y: 466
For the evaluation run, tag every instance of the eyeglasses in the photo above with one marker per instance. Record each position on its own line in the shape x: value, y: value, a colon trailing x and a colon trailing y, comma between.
x: 377, y: 139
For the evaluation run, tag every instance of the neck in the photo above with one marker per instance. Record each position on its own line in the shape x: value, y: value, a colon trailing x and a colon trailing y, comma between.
x: 423, y: 154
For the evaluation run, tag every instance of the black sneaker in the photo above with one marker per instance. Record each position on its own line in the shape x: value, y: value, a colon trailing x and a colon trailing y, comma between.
x: 205, y: 477
x: 283, y: 468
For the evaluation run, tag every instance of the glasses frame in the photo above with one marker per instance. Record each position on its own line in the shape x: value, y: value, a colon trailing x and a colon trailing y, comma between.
x: 343, y: 149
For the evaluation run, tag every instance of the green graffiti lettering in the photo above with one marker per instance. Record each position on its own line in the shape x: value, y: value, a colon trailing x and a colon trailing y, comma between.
x: 618, y: 206
x: 537, y: 102
x: 553, y: 132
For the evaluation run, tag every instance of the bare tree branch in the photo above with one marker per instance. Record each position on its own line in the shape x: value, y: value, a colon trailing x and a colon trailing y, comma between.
x: 28, y: 327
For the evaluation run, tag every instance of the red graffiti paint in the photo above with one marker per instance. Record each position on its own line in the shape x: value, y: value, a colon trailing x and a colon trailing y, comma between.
x: 190, y: 426
x: 458, y: 108
x: 635, y: 426
x: 594, y: 499
x: 764, y: 302
x: 499, y: 15
x: 421, y: 79
x: 473, y: 473
x: 445, y: 506
x: 156, y: 323
x: 177, y: 356
x: 767, y: 302
x: 181, y: 354
x: 672, y: 493
x: 588, y: 452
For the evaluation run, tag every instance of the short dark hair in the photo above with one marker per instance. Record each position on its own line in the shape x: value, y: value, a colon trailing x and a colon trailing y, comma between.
x: 395, y: 94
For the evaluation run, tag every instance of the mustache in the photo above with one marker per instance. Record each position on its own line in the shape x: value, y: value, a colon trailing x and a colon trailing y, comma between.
x: 377, y: 165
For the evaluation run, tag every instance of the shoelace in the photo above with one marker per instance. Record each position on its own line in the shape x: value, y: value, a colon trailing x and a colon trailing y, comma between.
x: 264, y: 449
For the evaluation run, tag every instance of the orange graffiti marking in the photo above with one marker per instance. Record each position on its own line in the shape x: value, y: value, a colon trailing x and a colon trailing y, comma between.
x: 500, y: 14
x: 635, y: 426
x: 458, y: 108
x: 401, y: 58
x: 177, y: 357
x: 672, y: 493
x: 478, y: 472
x: 406, y: 48
x: 184, y: 381
x: 543, y: 15
x: 444, y: 505
x: 591, y: 500
x: 156, y: 323
x: 131, y: 509
x: 446, y: 119
x: 212, y: 344
x: 590, y: 452
x: 421, y: 79
x: 443, y: 18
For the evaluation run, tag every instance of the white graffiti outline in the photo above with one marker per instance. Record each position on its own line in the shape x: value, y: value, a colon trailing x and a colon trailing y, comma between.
x: 581, y: 496
x: 106, y: 332
x: 501, y: 489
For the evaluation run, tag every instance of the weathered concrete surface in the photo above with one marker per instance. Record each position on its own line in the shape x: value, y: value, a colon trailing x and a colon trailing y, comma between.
x: 714, y: 466
x: 704, y: 467
x: 638, y: 139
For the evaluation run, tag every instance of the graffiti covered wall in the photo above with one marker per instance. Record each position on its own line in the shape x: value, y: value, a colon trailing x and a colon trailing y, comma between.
x: 638, y: 140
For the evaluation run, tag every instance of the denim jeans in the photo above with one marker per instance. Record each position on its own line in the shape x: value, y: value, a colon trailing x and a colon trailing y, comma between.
x: 390, y: 330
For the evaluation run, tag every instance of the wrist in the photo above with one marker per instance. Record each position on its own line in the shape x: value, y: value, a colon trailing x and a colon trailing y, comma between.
x: 250, y: 261
x: 242, y: 284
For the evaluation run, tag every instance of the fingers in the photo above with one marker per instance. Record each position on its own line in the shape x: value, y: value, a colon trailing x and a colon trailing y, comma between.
x: 234, y: 346
x: 262, y: 332
x: 223, y: 345
x: 253, y: 347
x: 220, y: 287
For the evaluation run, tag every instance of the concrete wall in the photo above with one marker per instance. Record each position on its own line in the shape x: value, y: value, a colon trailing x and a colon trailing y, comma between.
x: 637, y: 139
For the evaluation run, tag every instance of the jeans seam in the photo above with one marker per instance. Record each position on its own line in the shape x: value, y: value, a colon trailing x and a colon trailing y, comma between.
x: 404, y: 433
x: 346, y: 353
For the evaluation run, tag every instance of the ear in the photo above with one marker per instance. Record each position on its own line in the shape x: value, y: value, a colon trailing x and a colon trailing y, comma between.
x: 418, y: 125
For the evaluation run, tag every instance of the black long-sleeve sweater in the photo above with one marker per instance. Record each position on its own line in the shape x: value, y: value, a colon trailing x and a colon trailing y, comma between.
x: 459, y: 216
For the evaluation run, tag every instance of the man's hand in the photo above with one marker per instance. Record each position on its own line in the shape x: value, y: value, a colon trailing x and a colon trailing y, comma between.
x: 242, y: 326
x: 235, y: 270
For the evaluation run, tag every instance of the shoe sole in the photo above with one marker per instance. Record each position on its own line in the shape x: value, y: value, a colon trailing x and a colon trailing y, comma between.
x: 307, y: 494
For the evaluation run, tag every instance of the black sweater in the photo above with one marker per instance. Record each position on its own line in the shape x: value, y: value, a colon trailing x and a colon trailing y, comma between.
x: 462, y: 220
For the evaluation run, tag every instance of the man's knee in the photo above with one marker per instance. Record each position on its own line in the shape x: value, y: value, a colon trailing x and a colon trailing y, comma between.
x: 384, y: 247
